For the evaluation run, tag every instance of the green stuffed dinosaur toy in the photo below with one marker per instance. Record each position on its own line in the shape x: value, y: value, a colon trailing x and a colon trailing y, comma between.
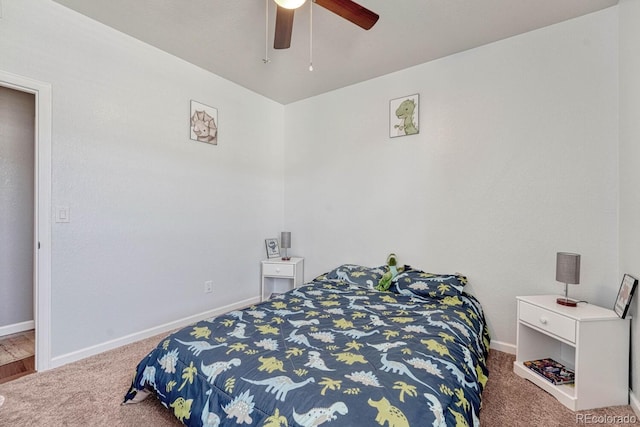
x: 385, y: 282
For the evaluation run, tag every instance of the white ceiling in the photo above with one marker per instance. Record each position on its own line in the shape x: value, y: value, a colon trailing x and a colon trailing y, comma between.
x: 227, y: 37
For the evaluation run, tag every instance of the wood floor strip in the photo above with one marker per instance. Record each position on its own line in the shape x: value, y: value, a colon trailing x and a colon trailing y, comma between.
x: 17, y: 356
x: 17, y: 369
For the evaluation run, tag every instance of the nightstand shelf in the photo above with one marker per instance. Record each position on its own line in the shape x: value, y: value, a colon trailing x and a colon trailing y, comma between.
x: 591, y: 340
x: 279, y: 275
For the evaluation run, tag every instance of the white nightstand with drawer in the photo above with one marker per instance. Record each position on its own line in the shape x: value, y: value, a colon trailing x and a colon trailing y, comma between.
x: 280, y: 275
x: 591, y: 340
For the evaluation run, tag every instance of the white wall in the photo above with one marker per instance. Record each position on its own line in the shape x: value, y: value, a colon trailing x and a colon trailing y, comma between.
x: 17, y: 110
x: 516, y: 159
x: 153, y: 214
x: 630, y: 164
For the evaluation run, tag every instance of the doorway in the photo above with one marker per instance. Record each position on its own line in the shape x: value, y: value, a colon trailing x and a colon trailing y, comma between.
x: 40, y: 216
x: 17, y: 198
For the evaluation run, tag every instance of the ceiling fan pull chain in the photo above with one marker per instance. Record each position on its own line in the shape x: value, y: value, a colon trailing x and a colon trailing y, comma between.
x: 311, y: 36
x: 266, y: 59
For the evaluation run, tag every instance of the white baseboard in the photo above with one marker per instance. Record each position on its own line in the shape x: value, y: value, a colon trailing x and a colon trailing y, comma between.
x: 16, y: 328
x: 119, y: 342
x: 503, y: 346
x: 634, y: 402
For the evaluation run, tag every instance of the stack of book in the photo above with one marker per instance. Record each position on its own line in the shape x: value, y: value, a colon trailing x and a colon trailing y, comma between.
x: 551, y: 370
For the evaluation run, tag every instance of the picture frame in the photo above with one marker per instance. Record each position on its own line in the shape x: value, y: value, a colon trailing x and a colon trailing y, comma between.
x: 625, y: 293
x: 273, y: 248
x: 404, y: 116
x: 203, y: 121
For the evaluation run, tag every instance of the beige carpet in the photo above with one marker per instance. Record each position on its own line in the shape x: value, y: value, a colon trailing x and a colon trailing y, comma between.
x: 89, y: 393
x: 510, y: 400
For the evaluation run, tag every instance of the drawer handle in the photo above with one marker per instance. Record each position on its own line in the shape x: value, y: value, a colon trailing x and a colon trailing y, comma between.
x: 277, y: 270
x: 544, y: 320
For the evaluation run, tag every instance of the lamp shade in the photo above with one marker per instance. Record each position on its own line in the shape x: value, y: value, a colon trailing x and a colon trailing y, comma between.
x: 568, y: 268
x: 285, y: 239
x: 290, y: 4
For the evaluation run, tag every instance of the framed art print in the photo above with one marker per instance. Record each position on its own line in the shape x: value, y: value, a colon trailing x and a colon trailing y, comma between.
x: 204, y: 123
x: 273, y: 249
x: 627, y: 289
x: 404, y: 116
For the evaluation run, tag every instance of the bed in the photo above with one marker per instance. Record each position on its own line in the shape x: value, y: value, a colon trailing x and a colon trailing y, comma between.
x: 334, y: 351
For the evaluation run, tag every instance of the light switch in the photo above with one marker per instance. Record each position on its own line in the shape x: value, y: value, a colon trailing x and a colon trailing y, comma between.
x: 63, y: 214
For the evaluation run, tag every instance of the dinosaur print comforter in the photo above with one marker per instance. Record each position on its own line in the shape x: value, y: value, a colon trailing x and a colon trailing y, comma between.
x: 331, y: 352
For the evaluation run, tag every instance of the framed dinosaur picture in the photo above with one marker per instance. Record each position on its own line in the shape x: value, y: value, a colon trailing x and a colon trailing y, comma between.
x: 404, y: 116
x: 203, y: 123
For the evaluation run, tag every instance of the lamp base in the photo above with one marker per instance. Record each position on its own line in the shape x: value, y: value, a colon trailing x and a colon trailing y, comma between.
x: 567, y: 302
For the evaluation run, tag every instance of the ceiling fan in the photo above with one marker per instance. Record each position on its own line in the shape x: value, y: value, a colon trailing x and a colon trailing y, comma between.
x: 347, y: 9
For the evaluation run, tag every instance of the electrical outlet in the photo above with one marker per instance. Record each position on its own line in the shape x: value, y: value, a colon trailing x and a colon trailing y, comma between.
x: 208, y: 286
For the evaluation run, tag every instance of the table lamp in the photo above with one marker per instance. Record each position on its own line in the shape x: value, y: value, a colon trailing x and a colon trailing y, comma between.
x: 285, y: 243
x: 567, y: 271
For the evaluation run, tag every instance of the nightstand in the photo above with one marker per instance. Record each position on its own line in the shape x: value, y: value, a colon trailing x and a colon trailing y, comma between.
x: 280, y: 275
x: 591, y: 340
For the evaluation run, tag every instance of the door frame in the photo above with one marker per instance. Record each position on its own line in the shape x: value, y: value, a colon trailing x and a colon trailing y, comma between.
x: 42, y: 212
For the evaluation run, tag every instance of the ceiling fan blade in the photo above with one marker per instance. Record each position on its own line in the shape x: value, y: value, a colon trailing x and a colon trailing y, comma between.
x: 284, y: 28
x: 351, y: 11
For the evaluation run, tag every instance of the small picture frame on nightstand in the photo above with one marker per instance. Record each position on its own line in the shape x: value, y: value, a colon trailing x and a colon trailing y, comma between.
x: 273, y: 249
x: 627, y: 289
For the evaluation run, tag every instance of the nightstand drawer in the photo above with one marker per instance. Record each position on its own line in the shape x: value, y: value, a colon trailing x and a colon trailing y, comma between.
x: 548, y: 321
x: 277, y: 270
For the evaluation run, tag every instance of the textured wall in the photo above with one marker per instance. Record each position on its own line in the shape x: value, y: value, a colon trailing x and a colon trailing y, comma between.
x: 630, y: 164
x: 17, y: 110
x: 516, y: 159
x: 153, y: 214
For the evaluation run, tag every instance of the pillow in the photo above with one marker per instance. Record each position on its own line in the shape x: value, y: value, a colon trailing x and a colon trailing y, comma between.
x: 430, y: 285
x: 357, y: 275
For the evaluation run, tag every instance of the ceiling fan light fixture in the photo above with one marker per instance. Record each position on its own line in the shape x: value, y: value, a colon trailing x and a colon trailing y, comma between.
x: 290, y: 4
